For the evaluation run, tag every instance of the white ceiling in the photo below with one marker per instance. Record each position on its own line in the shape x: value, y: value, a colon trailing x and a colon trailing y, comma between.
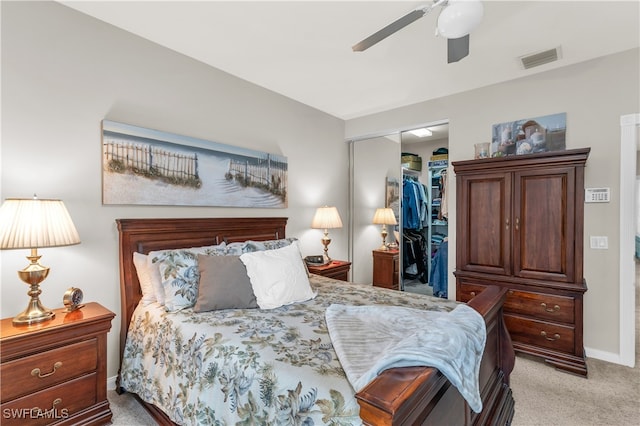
x: 302, y: 49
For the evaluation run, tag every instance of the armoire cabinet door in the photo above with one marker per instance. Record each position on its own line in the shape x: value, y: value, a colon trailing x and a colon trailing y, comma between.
x: 543, y: 223
x: 485, y: 223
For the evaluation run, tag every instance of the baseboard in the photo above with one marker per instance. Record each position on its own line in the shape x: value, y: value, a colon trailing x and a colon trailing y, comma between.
x: 111, y: 383
x: 603, y: 356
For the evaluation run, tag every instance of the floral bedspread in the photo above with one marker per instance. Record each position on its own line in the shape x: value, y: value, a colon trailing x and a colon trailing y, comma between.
x: 251, y: 366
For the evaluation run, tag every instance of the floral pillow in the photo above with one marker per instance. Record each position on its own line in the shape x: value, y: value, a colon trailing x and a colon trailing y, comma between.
x: 177, y: 274
x: 237, y: 249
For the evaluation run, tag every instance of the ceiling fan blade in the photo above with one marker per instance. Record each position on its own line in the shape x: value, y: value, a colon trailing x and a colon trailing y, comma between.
x: 457, y: 48
x: 393, y: 27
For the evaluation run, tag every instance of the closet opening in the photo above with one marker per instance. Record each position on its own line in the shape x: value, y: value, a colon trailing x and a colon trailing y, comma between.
x: 424, y: 230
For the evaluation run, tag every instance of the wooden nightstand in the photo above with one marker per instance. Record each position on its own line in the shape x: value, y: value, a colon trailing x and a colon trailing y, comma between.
x: 386, y: 269
x: 56, y: 371
x: 338, y: 269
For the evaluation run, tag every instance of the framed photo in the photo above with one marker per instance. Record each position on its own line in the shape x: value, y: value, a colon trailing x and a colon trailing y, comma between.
x: 150, y: 167
x: 392, y: 195
x: 529, y: 135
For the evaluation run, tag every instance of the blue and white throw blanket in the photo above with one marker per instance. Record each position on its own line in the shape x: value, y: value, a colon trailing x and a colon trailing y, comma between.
x: 371, y: 339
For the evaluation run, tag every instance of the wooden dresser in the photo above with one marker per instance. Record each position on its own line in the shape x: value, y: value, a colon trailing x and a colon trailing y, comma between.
x: 336, y: 269
x: 386, y: 269
x: 56, y: 371
x: 520, y: 226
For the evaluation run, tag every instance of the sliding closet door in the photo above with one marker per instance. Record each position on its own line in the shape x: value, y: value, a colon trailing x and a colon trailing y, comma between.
x: 373, y: 161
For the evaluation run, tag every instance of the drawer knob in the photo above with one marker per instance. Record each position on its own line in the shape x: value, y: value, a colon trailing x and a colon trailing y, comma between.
x: 473, y: 294
x: 36, y: 371
x: 555, y: 308
x: 555, y: 336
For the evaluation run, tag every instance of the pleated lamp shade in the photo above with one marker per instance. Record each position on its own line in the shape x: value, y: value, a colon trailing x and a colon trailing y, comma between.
x: 35, y: 223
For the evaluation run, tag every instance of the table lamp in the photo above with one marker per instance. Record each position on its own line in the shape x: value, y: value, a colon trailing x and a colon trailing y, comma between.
x: 32, y: 223
x: 384, y: 217
x: 325, y: 218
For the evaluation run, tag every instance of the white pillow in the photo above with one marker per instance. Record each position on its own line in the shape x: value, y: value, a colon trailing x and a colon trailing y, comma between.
x: 278, y: 276
x: 156, y: 281
x: 144, y: 277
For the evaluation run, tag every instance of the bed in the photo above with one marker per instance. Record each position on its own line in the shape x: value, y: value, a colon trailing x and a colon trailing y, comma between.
x: 398, y: 396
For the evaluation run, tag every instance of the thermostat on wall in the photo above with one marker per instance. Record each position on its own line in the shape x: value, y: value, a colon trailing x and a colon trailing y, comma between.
x: 596, y: 195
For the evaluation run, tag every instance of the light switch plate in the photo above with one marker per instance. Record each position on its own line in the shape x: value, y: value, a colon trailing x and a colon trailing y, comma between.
x: 601, y: 243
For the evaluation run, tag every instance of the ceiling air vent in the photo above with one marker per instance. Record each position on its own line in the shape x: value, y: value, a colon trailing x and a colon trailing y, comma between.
x: 540, y: 58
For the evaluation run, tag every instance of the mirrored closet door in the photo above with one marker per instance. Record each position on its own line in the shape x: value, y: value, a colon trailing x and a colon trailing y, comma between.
x: 405, y: 172
x: 374, y: 166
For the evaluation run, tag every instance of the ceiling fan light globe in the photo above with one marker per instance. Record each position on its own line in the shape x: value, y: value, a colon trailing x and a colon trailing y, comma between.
x: 459, y: 18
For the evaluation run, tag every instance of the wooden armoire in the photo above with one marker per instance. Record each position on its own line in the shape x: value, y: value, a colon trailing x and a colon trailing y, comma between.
x: 520, y: 226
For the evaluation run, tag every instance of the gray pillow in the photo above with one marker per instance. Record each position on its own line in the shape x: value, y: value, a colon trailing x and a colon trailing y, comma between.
x: 224, y: 284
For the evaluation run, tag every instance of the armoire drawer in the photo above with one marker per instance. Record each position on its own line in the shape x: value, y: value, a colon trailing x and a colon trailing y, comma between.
x: 467, y: 291
x: 38, y: 371
x: 529, y: 331
x: 51, y: 404
x: 541, y: 305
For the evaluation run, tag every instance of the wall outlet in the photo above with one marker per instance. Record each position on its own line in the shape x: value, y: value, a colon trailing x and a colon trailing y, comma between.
x: 600, y: 243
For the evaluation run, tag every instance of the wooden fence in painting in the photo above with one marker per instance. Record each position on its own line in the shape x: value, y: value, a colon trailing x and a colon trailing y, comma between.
x: 152, y: 161
x: 265, y: 173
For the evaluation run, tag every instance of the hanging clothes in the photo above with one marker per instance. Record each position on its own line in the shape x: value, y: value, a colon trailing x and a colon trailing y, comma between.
x: 415, y: 252
x: 444, y: 211
x: 414, y: 203
x: 439, y: 265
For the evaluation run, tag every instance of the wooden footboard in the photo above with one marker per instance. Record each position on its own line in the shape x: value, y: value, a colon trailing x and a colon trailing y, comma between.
x: 400, y: 396
x: 422, y: 395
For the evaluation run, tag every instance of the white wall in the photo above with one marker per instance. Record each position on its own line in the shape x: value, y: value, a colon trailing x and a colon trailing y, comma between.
x: 64, y: 72
x: 594, y: 94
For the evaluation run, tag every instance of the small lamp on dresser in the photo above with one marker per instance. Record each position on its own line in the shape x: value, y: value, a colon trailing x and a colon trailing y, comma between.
x: 384, y: 217
x: 326, y: 218
x: 32, y: 223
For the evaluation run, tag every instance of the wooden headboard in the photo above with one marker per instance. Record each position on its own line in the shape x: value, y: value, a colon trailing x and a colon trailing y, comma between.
x: 145, y: 235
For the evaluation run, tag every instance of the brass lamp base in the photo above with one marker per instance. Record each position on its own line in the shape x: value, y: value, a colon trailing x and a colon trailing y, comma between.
x: 33, y: 275
x: 325, y: 242
x: 34, y: 313
x: 384, y: 234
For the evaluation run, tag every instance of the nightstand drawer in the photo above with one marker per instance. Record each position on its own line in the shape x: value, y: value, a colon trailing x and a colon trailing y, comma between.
x: 32, y: 373
x: 336, y: 269
x: 52, y: 404
x: 386, y: 269
x: 527, y: 331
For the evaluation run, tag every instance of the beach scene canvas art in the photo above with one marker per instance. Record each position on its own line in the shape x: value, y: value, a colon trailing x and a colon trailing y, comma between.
x: 151, y: 167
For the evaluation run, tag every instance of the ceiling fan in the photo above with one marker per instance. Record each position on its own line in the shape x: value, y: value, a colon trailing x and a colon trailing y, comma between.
x: 456, y: 20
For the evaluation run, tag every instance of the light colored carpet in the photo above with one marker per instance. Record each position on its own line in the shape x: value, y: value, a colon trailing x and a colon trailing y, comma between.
x: 127, y: 411
x: 415, y: 286
x: 544, y: 396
